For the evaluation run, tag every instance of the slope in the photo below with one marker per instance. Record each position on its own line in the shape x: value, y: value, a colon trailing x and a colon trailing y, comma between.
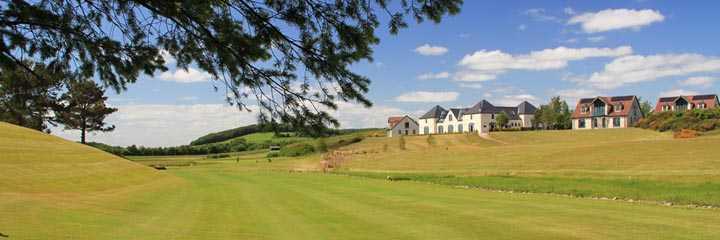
x: 35, y: 162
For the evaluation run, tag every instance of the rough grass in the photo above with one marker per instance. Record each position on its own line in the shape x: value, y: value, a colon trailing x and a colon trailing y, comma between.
x: 625, y: 163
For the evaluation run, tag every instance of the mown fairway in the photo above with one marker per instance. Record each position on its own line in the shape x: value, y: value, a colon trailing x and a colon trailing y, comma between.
x: 262, y: 205
x: 75, y: 192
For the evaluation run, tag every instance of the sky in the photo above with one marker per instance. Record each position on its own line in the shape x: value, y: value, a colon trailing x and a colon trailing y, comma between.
x: 501, y: 51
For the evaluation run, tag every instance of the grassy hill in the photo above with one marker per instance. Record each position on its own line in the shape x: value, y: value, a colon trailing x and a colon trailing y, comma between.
x: 33, y: 161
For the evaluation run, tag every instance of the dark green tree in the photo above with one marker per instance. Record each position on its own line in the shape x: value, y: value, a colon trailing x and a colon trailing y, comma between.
x: 502, y: 119
x: 84, y: 108
x: 276, y: 49
x: 27, y: 97
x: 646, y: 107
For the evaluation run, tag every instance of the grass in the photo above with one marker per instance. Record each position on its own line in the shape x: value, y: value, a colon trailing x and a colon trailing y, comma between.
x: 228, y: 204
x: 625, y: 163
x: 77, y: 192
x: 268, y: 136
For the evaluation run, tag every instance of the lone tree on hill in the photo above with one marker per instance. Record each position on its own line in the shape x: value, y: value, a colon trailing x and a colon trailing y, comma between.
x: 293, y: 57
x: 85, y: 109
x: 502, y: 119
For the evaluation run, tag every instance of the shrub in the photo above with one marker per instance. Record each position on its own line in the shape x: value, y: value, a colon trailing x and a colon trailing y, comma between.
x: 222, y: 155
x: 402, y: 142
x: 686, y: 133
x: 295, y: 150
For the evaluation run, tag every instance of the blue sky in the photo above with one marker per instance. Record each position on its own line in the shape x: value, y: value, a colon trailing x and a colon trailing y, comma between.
x: 502, y: 51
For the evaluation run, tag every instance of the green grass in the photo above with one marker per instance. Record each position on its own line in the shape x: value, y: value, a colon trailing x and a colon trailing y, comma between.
x: 77, y: 192
x: 625, y: 163
x: 268, y: 136
x: 227, y: 204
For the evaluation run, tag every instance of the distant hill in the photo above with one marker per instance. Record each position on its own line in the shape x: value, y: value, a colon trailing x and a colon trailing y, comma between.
x: 226, y: 135
x: 36, y: 162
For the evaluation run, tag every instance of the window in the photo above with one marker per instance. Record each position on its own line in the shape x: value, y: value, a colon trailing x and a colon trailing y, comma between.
x: 406, y: 132
x: 407, y: 125
x: 618, y: 107
x: 413, y: 131
x: 581, y: 123
x: 450, y: 129
x: 701, y: 106
x: 449, y: 117
x: 426, y: 120
x: 583, y: 110
x: 616, y: 122
x: 399, y: 131
x: 460, y: 128
x: 470, y: 117
x: 426, y: 130
x: 492, y: 116
x: 440, y: 129
x: 665, y: 107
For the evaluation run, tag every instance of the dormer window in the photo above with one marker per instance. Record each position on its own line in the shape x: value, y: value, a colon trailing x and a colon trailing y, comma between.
x: 449, y: 117
x: 583, y: 110
x: 701, y: 106
x: 618, y: 107
x: 665, y: 107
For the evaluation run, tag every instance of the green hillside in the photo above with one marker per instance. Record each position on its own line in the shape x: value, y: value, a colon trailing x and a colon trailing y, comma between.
x: 35, y: 162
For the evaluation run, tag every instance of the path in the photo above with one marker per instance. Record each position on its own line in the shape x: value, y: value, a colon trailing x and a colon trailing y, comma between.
x: 487, y: 136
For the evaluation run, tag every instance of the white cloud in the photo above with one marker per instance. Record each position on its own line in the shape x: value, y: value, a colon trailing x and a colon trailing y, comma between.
x: 571, y: 96
x: 569, y: 11
x: 538, y: 14
x: 677, y: 92
x: 352, y: 115
x: 428, y: 97
x: 465, y: 35
x: 189, y: 98
x: 167, y: 57
x: 192, y: 75
x: 637, y: 68
x: 596, y: 39
x: 703, y: 82
x: 614, y: 19
x: 572, y: 40
x: 473, y: 76
x: 522, y: 27
x: 165, y: 124
x: 434, y: 76
x: 428, y: 50
x: 514, y: 100
x: 556, y: 58
x: 470, y: 85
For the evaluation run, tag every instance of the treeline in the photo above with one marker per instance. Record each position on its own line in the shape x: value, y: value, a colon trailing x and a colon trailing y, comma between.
x: 554, y: 115
x: 280, y: 130
x: 700, y: 120
x: 236, y: 145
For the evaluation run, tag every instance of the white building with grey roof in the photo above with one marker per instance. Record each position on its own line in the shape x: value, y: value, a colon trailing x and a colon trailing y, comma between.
x: 478, y: 118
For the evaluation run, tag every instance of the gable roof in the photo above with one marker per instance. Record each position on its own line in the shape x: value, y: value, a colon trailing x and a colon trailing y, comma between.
x: 626, y: 103
x: 393, y: 121
x: 435, y: 112
x: 710, y: 100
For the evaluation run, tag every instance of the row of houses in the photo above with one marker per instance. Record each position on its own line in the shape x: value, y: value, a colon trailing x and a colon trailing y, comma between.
x: 590, y: 113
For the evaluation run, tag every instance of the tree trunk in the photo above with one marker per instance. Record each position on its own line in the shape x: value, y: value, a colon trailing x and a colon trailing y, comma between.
x: 82, y: 135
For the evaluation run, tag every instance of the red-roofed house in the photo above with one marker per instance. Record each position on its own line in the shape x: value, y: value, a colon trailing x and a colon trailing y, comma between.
x: 606, y: 112
x: 686, y: 102
x: 402, y: 126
